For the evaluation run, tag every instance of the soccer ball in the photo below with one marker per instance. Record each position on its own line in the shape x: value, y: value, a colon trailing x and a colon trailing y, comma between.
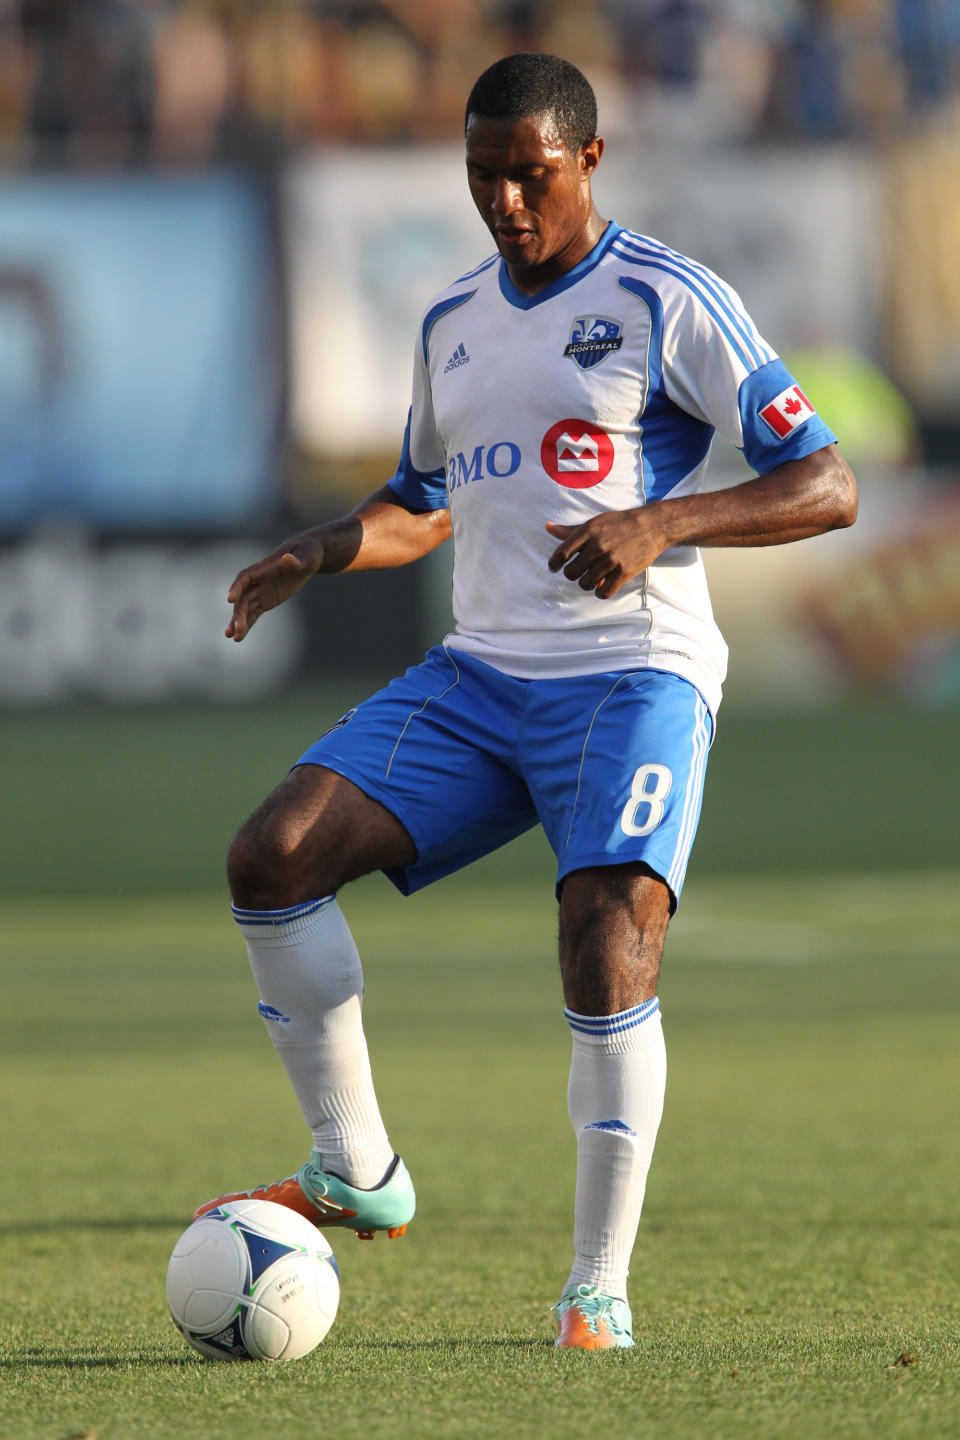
x: 252, y: 1280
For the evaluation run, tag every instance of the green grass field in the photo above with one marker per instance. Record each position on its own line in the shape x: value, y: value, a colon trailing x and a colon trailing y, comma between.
x: 797, y: 1268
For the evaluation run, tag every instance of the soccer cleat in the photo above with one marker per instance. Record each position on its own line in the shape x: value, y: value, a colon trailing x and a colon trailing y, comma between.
x: 590, y: 1320
x: 327, y: 1200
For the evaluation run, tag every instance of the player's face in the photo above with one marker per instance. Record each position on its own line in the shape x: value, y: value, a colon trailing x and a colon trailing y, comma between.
x: 533, y: 194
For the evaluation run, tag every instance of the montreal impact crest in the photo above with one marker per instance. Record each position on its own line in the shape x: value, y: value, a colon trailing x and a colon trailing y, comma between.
x: 593, y: 338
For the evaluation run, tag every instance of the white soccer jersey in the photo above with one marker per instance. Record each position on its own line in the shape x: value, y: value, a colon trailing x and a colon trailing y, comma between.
x: 601, y: 392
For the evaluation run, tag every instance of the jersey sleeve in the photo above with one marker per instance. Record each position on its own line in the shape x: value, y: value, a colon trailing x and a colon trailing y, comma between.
x: 420, y: 479
x: 718, y: 368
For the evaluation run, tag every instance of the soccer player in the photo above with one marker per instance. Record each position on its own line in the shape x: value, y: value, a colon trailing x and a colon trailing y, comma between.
x: 565, y: 398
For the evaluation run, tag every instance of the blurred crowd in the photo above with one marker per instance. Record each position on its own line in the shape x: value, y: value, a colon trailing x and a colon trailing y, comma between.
x: 108, y: 82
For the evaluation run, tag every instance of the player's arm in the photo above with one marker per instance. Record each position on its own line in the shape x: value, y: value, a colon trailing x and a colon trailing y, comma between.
x: 793, y: 501
x: 379, y: 533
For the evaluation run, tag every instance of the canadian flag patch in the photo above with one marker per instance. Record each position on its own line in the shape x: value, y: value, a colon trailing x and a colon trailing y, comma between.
x: 790, y: 409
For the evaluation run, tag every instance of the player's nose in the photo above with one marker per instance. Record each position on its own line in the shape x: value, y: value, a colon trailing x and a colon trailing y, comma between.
x: 507, y: 198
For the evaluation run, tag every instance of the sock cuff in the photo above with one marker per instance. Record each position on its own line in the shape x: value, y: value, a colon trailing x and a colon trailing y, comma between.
x: 609, y: 1029
x: 285, y: 927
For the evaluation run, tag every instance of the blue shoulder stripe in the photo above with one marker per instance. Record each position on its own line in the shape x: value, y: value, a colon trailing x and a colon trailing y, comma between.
x: 713, y: 283
x: 472, y: 274
x: 710, y: 282
x: 641, y: 245
x: 746, y: 360
x: 442, y: 307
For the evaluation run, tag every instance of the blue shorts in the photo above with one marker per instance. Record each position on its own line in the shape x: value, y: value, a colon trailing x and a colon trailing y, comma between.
x: 467, y: 758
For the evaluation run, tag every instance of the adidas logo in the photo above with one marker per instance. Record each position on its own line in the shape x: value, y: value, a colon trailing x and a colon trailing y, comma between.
x: 270, y: 1012
x: 459, y: 357
x: 228, y: 1340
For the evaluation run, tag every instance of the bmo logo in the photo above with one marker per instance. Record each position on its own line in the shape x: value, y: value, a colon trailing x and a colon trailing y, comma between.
x: 501, y: 460
x: 576, y: 454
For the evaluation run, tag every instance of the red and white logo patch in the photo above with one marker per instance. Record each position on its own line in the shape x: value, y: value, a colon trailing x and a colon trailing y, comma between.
x: 790, y: 409
x: 576, y: 454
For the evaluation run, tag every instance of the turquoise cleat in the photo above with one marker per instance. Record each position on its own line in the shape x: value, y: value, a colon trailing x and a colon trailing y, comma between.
x: 389, y: 1206
x: 326, y: 1200
x: 590, y: 1320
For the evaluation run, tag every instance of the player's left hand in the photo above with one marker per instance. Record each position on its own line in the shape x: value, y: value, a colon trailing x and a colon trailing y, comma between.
x: 610, y: 549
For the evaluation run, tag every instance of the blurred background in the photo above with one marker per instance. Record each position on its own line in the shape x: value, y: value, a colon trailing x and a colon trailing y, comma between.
x: 219, y: 223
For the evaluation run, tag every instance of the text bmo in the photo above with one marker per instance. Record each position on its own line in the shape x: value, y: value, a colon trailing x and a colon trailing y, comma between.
x: 499, y: 460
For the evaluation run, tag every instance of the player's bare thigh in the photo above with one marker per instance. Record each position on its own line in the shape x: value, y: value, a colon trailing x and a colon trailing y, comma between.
x: 312, y: 835
x: 613, y: 920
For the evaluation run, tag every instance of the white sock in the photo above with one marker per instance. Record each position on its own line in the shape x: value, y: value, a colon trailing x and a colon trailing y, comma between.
x: 308, y: 973
x: 615, y: 1097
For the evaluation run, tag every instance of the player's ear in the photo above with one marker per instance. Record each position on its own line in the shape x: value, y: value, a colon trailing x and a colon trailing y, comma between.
x: 589, y: 157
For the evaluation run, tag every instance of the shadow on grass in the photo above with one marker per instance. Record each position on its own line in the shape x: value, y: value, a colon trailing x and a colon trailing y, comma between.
x: 101, y: 1223
x: 796, y: 1224
x: 480, y: 1343
x: 80, y: 1360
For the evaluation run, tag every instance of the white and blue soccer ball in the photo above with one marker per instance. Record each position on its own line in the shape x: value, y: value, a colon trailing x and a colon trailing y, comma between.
x: 252, y: 1280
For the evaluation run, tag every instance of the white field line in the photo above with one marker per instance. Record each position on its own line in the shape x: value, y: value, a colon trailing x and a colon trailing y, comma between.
x: 818, y: 919
x: 706, y: 938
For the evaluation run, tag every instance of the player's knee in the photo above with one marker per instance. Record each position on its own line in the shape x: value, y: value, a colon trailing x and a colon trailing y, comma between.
x: 612, y: 928
x: 248, y: 871
x: 273, y: 864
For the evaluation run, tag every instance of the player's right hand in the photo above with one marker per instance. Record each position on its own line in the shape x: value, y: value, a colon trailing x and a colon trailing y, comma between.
x: 272, y: 580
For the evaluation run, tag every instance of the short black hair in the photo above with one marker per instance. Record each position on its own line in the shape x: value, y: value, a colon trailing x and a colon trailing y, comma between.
x: 529, y: 83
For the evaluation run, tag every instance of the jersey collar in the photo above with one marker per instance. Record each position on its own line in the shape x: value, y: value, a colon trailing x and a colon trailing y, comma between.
x: 563, y: 282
